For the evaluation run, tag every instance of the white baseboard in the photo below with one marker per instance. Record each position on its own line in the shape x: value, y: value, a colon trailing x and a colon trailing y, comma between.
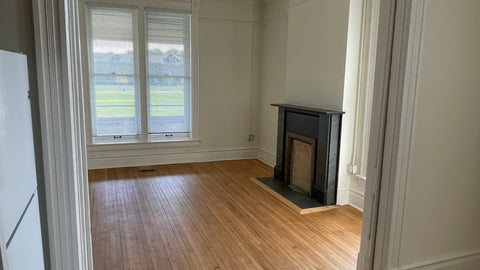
x: 108, y: 159
x: 266, y: 157
x: 468, y: 260
x: 111, y: 157
x: 356, y: 199
x: 342, y: 196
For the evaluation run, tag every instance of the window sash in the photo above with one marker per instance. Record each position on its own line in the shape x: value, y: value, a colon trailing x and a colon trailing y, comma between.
x: 123, y: 30
x: 167, y: 28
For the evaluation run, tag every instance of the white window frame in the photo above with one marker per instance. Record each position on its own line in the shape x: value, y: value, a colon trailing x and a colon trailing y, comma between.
x: 365, y: 87
x: 169, y: 136
x: 89, y: 71
x: 141, y: 6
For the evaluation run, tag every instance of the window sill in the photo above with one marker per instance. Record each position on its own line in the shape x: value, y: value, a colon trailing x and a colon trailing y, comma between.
x: 160, y: 144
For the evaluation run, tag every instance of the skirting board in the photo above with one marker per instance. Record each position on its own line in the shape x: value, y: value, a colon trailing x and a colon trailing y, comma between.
x: 342, y: 196
x: 266, y: 157
x: 356, y: 199
x: 117, y: 159
x: 469, y: 260
x: 102, y: 162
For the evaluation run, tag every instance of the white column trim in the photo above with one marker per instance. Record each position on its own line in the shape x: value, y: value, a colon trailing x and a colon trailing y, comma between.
x: 407, y: 126
x: 378, y: 142
x: 406, y: 21
x: 365, y: 79
x: 142, y: 69
x: 195, y: 69
x: 63, y: 138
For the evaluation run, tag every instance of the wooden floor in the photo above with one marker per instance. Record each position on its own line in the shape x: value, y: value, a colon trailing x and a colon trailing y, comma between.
x: 211, y: 216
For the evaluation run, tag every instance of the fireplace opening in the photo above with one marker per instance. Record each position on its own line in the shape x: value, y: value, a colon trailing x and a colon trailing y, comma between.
x: 300, y: 162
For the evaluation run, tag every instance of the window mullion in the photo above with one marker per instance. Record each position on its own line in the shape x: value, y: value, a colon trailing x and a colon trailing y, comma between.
x: 188, y: 91
x: 143, y: 72
x: 194, y: 68
x: 91, y: 91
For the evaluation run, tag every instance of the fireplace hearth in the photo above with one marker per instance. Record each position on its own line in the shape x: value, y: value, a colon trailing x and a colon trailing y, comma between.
x: 308, y: 149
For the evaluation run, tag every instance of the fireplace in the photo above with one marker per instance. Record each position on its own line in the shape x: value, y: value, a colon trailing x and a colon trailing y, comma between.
x: 308, y: 149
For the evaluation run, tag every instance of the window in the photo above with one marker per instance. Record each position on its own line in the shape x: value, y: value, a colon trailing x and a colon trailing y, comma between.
x: 140, y: 89
x: 168, y: 43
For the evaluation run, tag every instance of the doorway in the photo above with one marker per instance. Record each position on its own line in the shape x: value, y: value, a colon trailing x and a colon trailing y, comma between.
x: 74, y: 209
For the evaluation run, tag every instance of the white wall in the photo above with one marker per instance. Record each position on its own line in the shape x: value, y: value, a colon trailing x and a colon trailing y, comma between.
x: 442, y: 214
x: 273, y: 66
x: 349, y: 106
x: 228, y: 85
x: 316, y: 50
x: 304, y: 48
x: 303, y: 60
x: 226, y: 56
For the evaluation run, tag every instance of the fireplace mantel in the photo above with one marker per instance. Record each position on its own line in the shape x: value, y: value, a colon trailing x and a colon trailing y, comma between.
x: 324, y: 126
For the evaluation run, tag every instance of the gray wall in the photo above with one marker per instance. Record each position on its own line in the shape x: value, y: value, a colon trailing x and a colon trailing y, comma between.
x: 17, y: 35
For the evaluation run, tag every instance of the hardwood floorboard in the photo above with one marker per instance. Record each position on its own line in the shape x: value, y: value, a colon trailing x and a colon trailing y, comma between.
x: 211, y: 216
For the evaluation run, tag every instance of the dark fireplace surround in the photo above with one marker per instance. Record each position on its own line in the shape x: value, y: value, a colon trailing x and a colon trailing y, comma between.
x: 322, y: 126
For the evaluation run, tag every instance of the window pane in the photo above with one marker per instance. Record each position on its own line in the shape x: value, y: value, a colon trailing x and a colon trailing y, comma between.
x: 113, y: 71
x: 115, y: 105
x: 166, y: 60
x: 168, y: 41
x: 107, y: 61
x: 168, y: 110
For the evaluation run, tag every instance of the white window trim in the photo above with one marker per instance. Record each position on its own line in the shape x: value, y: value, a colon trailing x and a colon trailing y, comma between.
x: 168, y: 136
x: 365, y: 81
x: 141, y: 5
x: 88, y: 71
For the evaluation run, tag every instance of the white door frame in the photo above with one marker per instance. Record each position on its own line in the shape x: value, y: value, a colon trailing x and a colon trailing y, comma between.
x: 63, y: 135
x: 395, y: 94
x: 64, y: 143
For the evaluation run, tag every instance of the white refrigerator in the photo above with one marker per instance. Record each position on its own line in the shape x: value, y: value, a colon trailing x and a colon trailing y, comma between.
x: 20, y: 234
